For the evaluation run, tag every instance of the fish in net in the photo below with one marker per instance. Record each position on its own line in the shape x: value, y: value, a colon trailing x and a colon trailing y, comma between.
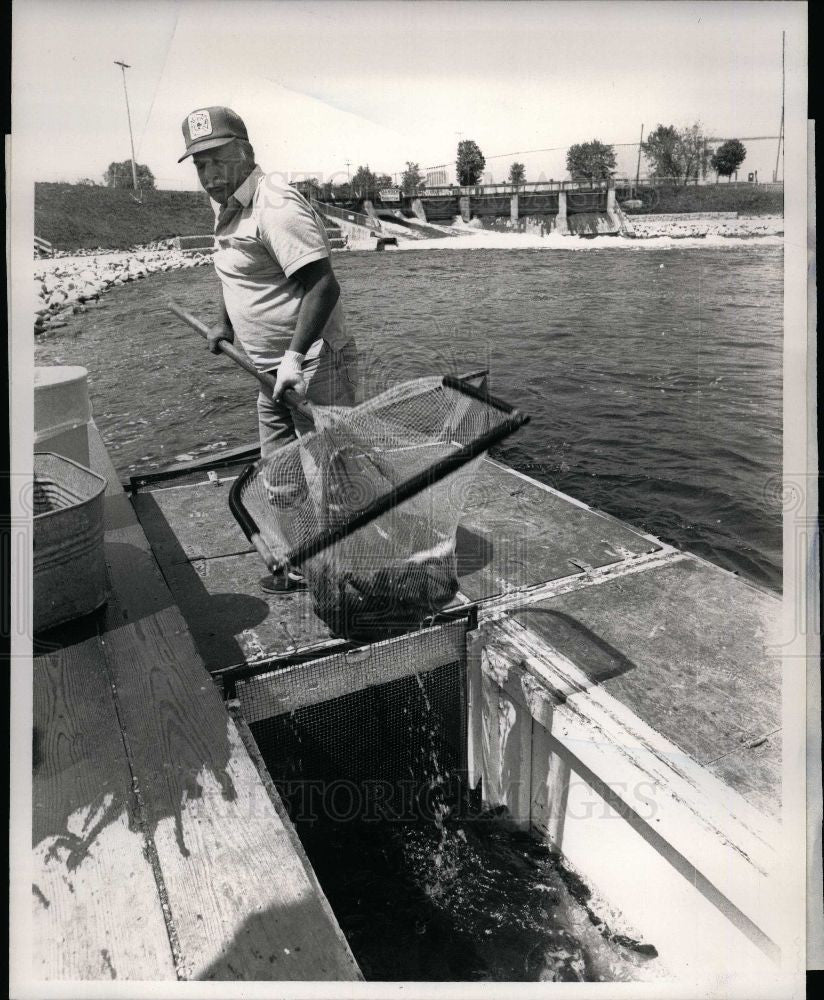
x: 368, y: 503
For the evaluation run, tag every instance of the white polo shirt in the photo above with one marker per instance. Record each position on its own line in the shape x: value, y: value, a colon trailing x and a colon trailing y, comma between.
x: 276, y: 233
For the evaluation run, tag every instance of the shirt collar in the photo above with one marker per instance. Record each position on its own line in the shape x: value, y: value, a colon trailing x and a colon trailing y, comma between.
x: 247, y: 189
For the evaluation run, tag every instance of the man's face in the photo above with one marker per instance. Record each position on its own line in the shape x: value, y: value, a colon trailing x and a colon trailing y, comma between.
x: 222, y: 170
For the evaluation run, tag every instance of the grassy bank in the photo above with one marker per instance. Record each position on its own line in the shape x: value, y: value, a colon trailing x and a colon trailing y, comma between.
x: 750, y: 199
x: 73, y: 216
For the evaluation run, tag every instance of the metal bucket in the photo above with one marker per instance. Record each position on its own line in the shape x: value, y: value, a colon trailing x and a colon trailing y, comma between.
x: 69, y: 568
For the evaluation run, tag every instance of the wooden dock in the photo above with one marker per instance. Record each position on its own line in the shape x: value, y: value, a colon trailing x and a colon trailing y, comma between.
x: 159, y: 852
x: 162, y: 853
x: 682, y: 643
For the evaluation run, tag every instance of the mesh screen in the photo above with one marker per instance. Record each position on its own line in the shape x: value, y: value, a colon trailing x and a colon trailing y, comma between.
x: 390, y: 742
x: 399, y: 566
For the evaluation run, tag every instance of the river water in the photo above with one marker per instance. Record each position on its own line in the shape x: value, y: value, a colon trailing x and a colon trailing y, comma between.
x: 653, y: 376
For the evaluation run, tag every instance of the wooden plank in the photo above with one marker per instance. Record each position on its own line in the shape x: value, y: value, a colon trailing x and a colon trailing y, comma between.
x: 100, y: 462
x: 506, y: 742
x: 712, y: 835
x: 321, y: 680
x: 233, y: 619
x: 136, y: 586
x: 96, y: 909
x: 517, y: 532
x: 190, y: 522
x: 551, y: 776
x: 754, y: 772
x: 256, y: 757
x: 239, y: 899
x: 684, y: 645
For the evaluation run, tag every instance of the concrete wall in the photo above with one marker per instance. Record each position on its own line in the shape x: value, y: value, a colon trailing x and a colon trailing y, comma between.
x: 444, y: 208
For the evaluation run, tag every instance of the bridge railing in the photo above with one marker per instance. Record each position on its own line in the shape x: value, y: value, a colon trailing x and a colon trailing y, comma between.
x: 344, y: 214
x: 526, y: 187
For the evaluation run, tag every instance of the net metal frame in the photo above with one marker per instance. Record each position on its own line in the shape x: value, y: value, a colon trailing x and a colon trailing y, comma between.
x: 368, y: 504
x: 508, y: 421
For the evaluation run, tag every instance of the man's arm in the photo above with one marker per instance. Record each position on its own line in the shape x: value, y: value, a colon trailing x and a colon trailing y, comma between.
x: 321, y: 292
x: 222, y: 330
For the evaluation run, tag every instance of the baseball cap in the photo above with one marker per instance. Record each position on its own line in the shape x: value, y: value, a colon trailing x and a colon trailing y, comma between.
x: 210, y: 127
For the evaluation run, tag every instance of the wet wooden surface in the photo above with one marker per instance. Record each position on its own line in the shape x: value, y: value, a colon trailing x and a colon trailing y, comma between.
x: 754, y: 770
x: 684, y: 645
x: 158, y: 851
x: 198, y: 516
x: 96, y: 909
x: 518, y: 533
x: 240, y: 902
x: 514, y: 533
x: 688, y: 648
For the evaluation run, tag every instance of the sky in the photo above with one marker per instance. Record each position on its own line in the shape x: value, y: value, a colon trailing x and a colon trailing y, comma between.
x: 381, y: 83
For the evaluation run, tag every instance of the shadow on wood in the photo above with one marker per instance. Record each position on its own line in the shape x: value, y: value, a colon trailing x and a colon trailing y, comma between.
x: 473, y: 550
x: 279, y: 938
x: 595, y: 656
x: 214, y: 619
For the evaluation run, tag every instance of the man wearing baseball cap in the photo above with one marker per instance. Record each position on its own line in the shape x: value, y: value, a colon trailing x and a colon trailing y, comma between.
x: 280, y: 297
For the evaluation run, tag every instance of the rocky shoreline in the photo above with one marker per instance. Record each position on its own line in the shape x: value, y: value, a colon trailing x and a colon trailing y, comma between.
x: 699, y: 224
x: 71, y: 283
x: 67, y: 283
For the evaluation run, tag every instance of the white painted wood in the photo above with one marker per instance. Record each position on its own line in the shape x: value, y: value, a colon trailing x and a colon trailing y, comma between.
x: 551, y: 775
x: 506, y: 748
x: 695, y: 939
x: 701, y: 830
x: 492, y: 607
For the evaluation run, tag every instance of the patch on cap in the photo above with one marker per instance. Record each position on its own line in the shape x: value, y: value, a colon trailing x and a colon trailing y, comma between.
x: 200, y: 124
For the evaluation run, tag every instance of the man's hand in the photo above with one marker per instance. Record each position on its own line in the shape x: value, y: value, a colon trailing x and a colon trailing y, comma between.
x: 290, y: 376
x: 218, y: 332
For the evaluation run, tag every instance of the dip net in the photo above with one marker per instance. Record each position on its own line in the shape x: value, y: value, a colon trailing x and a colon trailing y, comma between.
x: 368, y: 504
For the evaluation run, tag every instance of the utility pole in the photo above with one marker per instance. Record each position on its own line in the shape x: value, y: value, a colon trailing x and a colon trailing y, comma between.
x: 348, y: 178
x: 779, y: 151
x: 124, y: 66
x: 638, y: 168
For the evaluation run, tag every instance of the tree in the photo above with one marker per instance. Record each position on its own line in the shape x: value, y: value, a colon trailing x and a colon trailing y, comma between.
x: 592, y: 161
x: 365, y: 183
x: 308, y: 187
x: 517, y: 173
x: 726, y: 160
x: 119, y: 175
x: 412, y: 178
x: 679, y: 155
x: 470, y: 163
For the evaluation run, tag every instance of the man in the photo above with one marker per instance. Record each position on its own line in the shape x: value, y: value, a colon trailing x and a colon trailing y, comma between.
x: 279, y: 293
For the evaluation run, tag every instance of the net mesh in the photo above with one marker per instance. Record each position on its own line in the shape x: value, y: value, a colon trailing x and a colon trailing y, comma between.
x: 384, y: 731
x: 399, y: 567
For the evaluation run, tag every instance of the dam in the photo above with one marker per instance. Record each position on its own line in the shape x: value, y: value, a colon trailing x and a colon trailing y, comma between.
x: 563, y: 206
